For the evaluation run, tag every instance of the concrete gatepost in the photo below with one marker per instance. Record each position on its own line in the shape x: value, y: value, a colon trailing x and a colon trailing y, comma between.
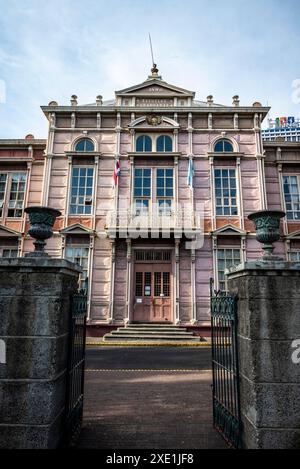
x: 35, y: 298
x: 268, y: 326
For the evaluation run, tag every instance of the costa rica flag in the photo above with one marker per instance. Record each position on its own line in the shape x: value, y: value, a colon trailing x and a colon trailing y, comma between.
x: 117, y: 172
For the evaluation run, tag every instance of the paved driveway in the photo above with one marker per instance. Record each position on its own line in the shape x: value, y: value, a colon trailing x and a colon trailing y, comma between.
x: 148, y: 398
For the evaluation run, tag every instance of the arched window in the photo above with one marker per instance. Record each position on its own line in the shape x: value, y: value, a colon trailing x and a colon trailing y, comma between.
x: 143, y: 143
x: 164, y: 143
x: 85, y: 145
x: 224, y: 146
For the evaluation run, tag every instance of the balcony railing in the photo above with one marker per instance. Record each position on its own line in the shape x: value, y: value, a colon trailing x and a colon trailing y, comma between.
x: 180, y: 222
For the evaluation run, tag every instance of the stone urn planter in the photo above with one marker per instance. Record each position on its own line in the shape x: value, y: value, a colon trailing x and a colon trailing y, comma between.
x: 41, y: 220
x: 267, y: 225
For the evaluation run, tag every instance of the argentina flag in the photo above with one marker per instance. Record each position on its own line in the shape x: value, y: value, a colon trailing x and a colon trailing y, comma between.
x: 190, y: 173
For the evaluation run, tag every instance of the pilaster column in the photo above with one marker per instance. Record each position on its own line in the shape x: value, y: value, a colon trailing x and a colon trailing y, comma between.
x: 90, y: 275
x: 193, y: 287
x: 215, y: 261
x: 240, y: 194
x: 112, y: 280
x: 212, y: 188
x: 176, y: 140
x: 129, y: 280
x: 280, y: 177
x: 99, y: 119
x: 28, y: 180
x: 176, y: 282
x: 95, y: 192
x: 66, y: 216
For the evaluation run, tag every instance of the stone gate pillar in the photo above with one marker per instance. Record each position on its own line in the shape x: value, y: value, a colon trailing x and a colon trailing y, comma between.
x: 268, y: 325
x: 35, y: 298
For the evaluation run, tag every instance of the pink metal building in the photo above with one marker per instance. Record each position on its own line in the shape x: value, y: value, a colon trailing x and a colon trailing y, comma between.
x: 173, y: 158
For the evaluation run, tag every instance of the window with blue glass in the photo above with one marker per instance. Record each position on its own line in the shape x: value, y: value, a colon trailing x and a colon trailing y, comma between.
x: 291, y: 197
x: 81, y: 197
x: 223, y: 146
x: 164, y: 143
x: 164, y: 190
x: 142, y: 190
x: 144, y: 143
x: 85, y: 145
x: 226, y: 192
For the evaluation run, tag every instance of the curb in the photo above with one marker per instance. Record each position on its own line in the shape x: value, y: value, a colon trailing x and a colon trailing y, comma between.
x: 148, y: 344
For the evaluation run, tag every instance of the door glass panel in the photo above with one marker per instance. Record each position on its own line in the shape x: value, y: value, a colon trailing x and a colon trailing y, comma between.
x: 166, y: 284
x: 157, y: 283
x: 147, y: 284
x: 139, y: 284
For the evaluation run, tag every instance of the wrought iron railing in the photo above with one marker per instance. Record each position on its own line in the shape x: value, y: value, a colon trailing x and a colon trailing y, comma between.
x: 225, y: 365
x: 76, y: 367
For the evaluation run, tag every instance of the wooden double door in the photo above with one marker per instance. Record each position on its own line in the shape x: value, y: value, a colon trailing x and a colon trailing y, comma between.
x: 153, y: 293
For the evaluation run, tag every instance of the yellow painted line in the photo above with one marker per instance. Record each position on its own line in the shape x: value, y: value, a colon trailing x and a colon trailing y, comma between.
x: 104, y: 370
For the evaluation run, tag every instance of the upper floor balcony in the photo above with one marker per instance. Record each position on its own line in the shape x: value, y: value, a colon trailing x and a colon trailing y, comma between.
x: 178, y: 222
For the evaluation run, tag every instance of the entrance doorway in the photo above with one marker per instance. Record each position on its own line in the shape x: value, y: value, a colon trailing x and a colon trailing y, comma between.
x: 153, y: 287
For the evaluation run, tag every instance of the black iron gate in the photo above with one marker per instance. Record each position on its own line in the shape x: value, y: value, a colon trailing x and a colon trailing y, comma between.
x: 226, y: 395
x: 76, y: 366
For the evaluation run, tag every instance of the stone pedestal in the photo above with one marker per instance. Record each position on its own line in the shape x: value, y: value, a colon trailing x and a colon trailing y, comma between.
x: 34, y: 323
x: 268, y: 323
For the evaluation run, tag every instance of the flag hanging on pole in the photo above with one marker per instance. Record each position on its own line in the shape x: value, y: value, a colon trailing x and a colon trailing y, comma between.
x: 190, y: 174
x: 116, y: 172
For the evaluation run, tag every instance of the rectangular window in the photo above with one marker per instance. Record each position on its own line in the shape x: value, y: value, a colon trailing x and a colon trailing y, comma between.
x: 291, y: 197
x: 142, y: 190
x: 165, y: 191
x: 79, y: 255
x: 226, y: 192
x: 12, y: 194
x: 17, y: 195
x: 226, y: 259
x: 81, y: 197
x: 10, y: 253
x: 295, y: 256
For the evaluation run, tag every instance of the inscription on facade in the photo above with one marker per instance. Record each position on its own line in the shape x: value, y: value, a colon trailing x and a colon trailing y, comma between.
x: 154, y: 102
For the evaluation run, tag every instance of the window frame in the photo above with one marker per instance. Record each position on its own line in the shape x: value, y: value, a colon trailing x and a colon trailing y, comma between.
x: 293, y: 212
x: 154, y: 198
x: 164, y: 144
x: 297, y: 252
x: 82, y: 281
x: 223, y: 141
x: 229, y: 197
x: 146, y: 137
x: 226, y: 266
x: 78, y: 195
x: 85, y: 140
x: 5, y: 202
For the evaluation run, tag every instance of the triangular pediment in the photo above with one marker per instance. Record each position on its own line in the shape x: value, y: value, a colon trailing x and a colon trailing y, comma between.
x: 77, y: 229
x: 155, y: 87
x: 229, y: 230
x: 6, y: 232
x: 294, y: 235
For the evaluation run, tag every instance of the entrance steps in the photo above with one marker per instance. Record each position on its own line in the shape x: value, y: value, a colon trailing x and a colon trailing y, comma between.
x: 151, y: 333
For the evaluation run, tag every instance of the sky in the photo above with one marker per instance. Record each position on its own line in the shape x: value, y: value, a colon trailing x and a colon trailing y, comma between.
x: 52, y: 49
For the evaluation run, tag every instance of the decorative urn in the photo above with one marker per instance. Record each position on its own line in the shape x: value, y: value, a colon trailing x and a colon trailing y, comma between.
x: 267, y: 225
x: 41, y: 220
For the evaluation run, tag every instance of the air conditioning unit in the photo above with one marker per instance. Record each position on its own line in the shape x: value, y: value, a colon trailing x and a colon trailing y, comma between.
x: 88, y: 201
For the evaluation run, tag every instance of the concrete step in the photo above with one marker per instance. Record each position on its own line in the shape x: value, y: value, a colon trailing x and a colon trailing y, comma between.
x: 150, y: 338
x: 151, y: 331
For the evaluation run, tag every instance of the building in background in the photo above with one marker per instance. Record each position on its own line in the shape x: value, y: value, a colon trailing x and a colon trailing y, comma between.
x: 283, y: 128
x: 21, y: 183
x: 149, y: 161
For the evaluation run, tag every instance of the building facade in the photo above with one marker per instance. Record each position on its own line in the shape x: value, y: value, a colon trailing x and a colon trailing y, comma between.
x: 154, y: 188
